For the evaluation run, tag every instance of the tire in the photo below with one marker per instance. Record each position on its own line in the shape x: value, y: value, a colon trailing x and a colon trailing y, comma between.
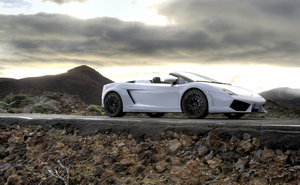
x: 155, y: 115
x: 113, y: 105
x: 194, y: 104
x: 234, y: 115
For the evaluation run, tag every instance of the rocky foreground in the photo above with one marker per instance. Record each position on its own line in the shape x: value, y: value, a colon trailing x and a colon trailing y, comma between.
x: 38, y: 155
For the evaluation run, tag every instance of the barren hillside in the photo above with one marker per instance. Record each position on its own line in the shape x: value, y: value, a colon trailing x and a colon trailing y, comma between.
x: 83, y: 81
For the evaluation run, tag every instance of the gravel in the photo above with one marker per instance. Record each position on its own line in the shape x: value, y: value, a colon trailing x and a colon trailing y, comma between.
x: 45, y: 155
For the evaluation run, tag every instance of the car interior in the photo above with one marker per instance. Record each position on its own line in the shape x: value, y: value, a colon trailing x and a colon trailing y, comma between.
x: 166, y: 81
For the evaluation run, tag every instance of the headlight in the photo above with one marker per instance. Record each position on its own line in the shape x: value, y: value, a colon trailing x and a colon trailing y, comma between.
x: 229, y: 92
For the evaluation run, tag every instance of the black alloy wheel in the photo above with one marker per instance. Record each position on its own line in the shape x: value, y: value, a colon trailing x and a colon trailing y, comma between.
x: 194, y: 104
x: 113, y: 105
x: 234, y: 115
x: 155, y: 115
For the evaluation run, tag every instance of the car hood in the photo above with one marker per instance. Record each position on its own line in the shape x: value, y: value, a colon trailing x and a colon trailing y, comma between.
x: 235, y: 89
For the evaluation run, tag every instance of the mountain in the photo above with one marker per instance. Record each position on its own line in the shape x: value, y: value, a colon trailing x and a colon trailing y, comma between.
x: 6, y: 79
x: 283, y: 96
x: 83, y: 81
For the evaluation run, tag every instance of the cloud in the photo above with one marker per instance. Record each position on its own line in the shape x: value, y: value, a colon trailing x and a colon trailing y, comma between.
x: 15, y: 4
x: 60, y: 2
x: 243, y: 30
x: 134, y: 2
x: 202, y: 32
x: 103, y: 41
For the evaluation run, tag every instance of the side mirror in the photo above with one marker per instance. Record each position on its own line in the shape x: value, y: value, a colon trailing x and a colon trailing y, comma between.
x: 171, y: 80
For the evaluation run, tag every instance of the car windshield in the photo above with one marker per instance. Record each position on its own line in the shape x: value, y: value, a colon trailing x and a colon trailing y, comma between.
x: 197, y: 78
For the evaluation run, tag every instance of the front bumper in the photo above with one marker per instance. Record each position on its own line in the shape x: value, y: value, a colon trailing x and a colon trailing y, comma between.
x: 220, y: 103
x: 238, y: 105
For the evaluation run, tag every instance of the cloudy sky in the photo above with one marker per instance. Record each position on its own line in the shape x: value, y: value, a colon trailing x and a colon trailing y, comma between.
x: 253, y: 43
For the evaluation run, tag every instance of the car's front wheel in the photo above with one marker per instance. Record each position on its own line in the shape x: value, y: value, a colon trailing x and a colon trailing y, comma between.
x: 155, y: 115
x: 113, y: 105
x: 234, y: 115
x: 194, y: 104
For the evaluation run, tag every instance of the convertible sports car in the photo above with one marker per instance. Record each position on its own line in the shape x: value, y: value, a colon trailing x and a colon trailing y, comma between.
x: 194, y: 95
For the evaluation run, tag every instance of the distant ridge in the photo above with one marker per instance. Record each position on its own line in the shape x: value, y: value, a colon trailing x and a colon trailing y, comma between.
x: 6, y: 79
x: 82, y: 80
x: 283, y: 96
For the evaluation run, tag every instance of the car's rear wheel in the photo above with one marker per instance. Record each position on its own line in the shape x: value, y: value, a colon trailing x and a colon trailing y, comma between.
x: 234, y: 115
x: 113, y: 105
x: 155, y: 115
x: 194, y: 104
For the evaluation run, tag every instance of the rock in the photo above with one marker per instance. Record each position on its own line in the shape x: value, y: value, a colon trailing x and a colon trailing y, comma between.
x: 186, y: 141
x: 57, y: 146
x: 281, y: 160
x: 116, y: 158
x: 3, y: 152
x: 97, y: 172
x: 174, y: 146
x: 230, y: 156
x: 257, y: 155
x: 227, y: 167
x: 9, y: 172
x: 109, y: 173
x: 214, y: 163
x: 295, y: 158
x: 161, y: 166
x: 278, y: 152
x: 3, y: 168
x: 240, y: 165
x: 209, y: 156
x: 267, y: 154
x: 202, y: 151
x: 254, y: 164
x: 127, y: 162
x: 213, y: 142
x: 14, y: 179
x: 223, y: 148
x: 245, y: 146
x: 234, y: 140
x: 16, y: 144
x: 86, y: 180
x: 246, y: 137
x: 187, y: 174
x: 176, y: 161
x: 101, y: 159
x: 140, y: 169
x: 180, y: 175
x: 114, y: 151
x: 145, y: 145
x: 259, y: 181
x: 256, y: 142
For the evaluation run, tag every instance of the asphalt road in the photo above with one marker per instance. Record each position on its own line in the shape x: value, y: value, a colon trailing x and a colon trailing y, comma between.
x: 273, y: 133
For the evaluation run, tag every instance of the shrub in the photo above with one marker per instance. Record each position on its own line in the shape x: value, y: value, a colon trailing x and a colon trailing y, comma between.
x: 17, y: 100
x: 11, y: 110
x: 20, y: 97
x: 3, y: 104
x: 41, y: 109
x: 95, y: 109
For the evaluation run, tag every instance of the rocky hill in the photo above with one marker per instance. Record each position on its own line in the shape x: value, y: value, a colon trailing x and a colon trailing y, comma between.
x: 6, y: 79
x: 83, y: 81
x: 283, y: 96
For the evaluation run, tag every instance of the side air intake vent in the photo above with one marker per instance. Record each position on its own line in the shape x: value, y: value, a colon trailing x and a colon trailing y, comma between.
x: 239, y: 105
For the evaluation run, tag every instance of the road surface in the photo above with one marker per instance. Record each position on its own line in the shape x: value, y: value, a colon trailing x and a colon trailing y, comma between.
x: 273, y: 133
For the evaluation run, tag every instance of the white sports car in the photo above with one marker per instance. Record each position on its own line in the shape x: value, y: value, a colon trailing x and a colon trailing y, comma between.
x: 194, y: 95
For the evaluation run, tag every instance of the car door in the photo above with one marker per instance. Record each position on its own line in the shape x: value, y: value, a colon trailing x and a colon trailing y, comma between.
x: 159, y: 97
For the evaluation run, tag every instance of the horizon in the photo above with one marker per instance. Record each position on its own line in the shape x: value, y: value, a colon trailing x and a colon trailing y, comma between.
x: 149, y: 76
x: 253, y: 44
